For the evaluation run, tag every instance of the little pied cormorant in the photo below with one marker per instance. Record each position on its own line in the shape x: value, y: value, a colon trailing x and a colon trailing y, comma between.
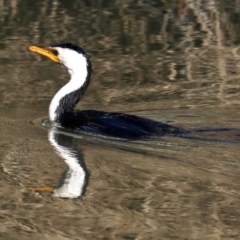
x: 61, y: 110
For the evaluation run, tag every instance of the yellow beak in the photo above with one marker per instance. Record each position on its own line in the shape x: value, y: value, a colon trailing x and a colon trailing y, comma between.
x: 47, y: 52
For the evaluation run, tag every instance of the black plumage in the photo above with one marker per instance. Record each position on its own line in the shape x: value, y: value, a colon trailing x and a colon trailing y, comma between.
x: 117, y: 125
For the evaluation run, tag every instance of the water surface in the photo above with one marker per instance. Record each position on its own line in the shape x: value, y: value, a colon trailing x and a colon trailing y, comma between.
x: 172, y: 61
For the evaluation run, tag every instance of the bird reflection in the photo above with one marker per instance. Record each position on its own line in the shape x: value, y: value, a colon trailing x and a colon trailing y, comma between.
x: 74, y: 180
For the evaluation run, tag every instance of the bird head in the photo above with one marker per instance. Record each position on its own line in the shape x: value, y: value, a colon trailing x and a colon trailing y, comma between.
x: 71, y: 56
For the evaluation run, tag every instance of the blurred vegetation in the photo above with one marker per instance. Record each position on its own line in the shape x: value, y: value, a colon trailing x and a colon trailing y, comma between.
x: 153, y: 50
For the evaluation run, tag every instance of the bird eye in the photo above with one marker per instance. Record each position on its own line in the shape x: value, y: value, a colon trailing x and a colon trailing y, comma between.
x: 54, y: 51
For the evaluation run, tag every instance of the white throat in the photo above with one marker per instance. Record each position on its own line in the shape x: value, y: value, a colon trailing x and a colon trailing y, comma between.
x: 76, y: 64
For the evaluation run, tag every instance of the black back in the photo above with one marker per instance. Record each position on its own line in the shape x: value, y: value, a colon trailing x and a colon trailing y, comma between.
x: 118, y: 125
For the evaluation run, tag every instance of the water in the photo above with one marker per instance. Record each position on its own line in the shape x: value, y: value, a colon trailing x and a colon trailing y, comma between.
x: 172, y: 61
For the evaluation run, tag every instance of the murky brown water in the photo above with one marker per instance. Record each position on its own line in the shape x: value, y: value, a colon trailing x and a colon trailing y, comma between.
x: 173, y: 61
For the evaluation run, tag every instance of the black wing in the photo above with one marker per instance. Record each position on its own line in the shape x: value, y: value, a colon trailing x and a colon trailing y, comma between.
x: 117, y: 124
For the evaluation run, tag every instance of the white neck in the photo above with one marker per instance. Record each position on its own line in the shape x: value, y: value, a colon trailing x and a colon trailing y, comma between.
x: 76, y: 82
x: 77, y: 68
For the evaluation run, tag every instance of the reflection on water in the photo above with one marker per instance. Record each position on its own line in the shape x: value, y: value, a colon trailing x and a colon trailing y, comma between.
x: 74, y: 180
x: 172, y: 61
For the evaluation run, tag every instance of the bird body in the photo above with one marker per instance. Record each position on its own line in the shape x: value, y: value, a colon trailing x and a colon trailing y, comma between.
x: 61, y: 109
x: 118, y: 125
